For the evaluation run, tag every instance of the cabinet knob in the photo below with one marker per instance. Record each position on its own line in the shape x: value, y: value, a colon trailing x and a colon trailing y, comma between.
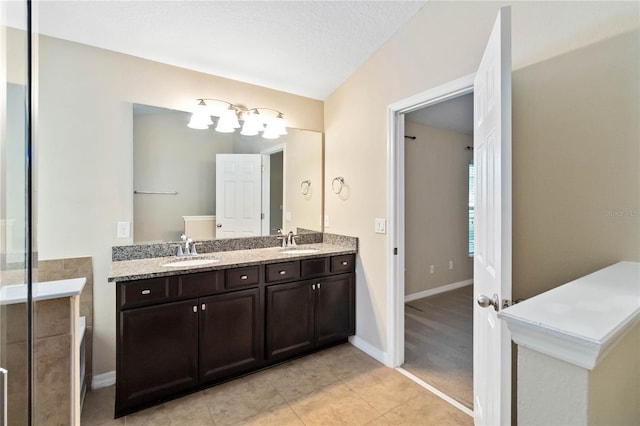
x: 282, y: 272
x: 318, y: 286
x: 313, y: 286
x: 203, y: 307
x: 145, y: 292
x: 243, y: 277
x: 345, y: 263
x: 195, y: 308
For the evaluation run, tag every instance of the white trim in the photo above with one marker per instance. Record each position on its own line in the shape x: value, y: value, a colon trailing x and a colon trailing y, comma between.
x: 76, y: 339
x: 436, y: 392
x: 579, y: 333
x: 103, y: 380
x: 369, y: 349
x: 433, y: 291
x: 395, y: 204
x: 266, y: 191
x: 265, y: 176
x: 204, y: 217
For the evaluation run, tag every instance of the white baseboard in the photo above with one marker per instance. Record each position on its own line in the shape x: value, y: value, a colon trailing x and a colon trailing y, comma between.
x: 437, y: 290
x: 103, y: 380
x: 369, y: 349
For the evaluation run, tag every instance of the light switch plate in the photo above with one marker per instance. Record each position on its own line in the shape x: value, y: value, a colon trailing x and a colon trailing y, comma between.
x: 326, y: 221
x: 124, y: 229
x: 381, y: 226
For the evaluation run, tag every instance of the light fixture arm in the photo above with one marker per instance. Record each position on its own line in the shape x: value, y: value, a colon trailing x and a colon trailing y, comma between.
x: 271, y: 128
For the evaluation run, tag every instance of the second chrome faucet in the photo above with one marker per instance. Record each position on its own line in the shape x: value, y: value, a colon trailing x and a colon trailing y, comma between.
x: 189, y: 247
x: 288, y: 240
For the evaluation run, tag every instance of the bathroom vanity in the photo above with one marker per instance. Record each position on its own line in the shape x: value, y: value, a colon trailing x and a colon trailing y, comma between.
x: 185, y: 328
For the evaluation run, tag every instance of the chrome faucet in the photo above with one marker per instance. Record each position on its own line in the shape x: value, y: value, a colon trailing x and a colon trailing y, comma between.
x: 291, y: 239
x: 189, y: 247
x: 282, y: 237
x: 287, y: 240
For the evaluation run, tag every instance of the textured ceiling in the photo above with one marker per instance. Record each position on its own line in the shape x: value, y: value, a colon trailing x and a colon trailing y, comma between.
x: 303, y: 47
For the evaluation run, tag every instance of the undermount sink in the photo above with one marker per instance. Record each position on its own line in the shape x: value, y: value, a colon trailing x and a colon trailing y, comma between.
x: 191, y: 262
x: 299, y: 251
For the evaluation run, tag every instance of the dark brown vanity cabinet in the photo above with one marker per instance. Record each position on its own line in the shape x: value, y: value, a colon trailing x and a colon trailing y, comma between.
x: 290, y: 319
x: 181, y: 333
x: 308, y: 314
x: 158, y: 352
x: 230, y: 334
x: 168, y: 348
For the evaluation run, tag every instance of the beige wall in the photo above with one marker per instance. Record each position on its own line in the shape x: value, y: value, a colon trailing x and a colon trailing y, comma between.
x: 302, y: 161
x: 169, y: 156
x: 585, y: 126
x: 436, y: 203
x: 84, y: 151
x: 576, y: 164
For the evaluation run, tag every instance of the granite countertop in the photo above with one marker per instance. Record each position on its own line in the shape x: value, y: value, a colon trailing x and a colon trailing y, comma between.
x: 128, y: 270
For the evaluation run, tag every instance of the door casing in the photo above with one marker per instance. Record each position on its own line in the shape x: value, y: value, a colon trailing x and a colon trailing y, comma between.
x: 396, y: 206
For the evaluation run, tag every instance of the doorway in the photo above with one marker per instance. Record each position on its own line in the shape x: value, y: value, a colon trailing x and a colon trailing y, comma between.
x: 438, y: 295
x: 273, y: 193
x: 398, y: 230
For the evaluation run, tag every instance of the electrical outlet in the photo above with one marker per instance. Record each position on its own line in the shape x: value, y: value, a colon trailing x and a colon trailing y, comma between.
x: 432, y: 269
x: 124, y: 229
x: 326, y: 221
x: 380, y: 226
x: 287, y: 216
x: 451, y: 264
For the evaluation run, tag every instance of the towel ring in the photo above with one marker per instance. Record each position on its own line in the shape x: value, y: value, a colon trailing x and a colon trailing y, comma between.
x: 305, y: 186
x: 340, y: 181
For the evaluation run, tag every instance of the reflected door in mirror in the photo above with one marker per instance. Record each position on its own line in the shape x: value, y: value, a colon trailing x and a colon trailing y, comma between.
x: 238, y: 195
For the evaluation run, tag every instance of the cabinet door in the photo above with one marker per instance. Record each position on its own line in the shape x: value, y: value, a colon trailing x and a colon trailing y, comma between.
x: 158, y: 353
x: 230, y: 333
x: 289, y: 319
x: 335, y: 308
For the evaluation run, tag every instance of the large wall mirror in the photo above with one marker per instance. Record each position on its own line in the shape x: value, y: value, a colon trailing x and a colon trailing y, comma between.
x: 221, y: 185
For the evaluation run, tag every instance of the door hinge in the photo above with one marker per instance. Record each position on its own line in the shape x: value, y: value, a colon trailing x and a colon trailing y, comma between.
x: 261, y: 215
x: 395, y: 251
x: 506, y: 302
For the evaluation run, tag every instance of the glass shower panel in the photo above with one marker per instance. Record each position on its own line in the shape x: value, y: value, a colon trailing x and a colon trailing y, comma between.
x: 15, y: 338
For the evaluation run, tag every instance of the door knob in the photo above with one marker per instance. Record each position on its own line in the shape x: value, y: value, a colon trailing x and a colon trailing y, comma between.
x: 219, y: 225
x: 485, y: 301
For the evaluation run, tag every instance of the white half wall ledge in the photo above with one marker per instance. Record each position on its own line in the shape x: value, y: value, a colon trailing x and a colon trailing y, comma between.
x: 579, y: 322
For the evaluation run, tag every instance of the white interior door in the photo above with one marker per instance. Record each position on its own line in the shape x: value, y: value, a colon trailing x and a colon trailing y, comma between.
x: 238, y: 195
x: 492, y: 259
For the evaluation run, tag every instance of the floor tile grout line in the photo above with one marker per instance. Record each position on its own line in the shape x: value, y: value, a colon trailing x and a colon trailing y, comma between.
x: 362, y: 397
x: 294, y: 411
x: 436, y: 392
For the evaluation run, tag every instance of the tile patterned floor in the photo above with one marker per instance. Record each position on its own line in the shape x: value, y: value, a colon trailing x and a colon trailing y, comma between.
x: 337, y: 386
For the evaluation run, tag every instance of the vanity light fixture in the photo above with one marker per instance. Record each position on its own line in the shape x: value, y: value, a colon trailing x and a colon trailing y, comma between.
x: 271, y: 124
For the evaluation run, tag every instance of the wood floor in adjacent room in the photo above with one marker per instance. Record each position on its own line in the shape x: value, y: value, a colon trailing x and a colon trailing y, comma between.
x: 439, y: 342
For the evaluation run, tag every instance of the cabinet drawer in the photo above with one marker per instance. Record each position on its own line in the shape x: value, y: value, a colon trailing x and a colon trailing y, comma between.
x: 343, y: 263
x: 145, y: 292
x: 314, y: 267
x: 285, y: 271
x: 200, y: 284
x: 242, y: 277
